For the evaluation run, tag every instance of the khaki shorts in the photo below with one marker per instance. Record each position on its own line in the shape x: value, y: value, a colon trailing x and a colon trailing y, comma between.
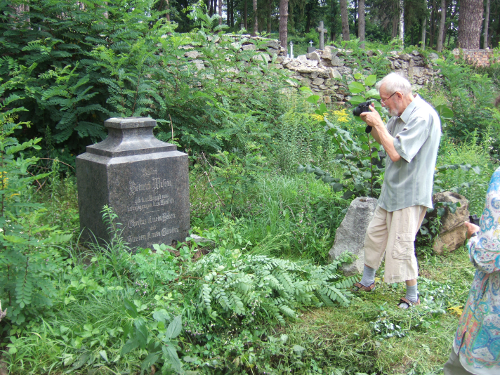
x: 393, y: 234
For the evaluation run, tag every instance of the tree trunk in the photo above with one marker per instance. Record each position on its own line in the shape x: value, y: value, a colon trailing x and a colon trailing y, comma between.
x: 345, y: 20
x: 394, y: 32
x: 332, y: 14
x: 167, y: 10
x: 470, y: 18
x: 432, y: 23
x: 402, y: 21
x: 270, y: 14
x: 220, y: 12
x: 441, y: 26
x: 486, y: 24
x: 284, y: 23
x: 361, y: 23
x: 256, y: 20
x: 424, y: 31
x: 245, y: 16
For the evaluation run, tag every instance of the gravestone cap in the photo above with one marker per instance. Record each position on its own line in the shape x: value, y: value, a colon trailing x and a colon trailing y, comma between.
x: 130, y: 136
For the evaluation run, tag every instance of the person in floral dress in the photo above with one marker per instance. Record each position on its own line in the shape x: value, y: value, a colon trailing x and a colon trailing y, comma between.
x: 476, y: 347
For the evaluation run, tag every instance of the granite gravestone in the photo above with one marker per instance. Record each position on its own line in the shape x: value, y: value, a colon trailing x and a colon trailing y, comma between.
x: 144, y: 180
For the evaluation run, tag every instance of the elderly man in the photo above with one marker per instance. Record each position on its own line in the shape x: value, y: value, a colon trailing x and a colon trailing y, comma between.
x: 411, y: 140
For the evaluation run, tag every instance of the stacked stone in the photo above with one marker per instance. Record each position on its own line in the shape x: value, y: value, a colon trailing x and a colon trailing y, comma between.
x: 477, y: 57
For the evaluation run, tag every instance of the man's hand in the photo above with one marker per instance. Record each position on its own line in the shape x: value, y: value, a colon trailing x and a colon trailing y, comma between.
x: 372, y: 118
x: 380, y: 133
x: 471, y: 228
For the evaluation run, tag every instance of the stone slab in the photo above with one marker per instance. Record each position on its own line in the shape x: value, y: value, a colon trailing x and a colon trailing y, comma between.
x: 350, y: 234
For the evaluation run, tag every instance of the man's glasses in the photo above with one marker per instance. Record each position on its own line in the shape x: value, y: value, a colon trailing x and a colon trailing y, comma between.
x: 385, y: 100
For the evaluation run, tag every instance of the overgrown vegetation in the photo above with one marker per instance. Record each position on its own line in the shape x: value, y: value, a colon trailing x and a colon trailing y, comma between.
x: 259, y: 294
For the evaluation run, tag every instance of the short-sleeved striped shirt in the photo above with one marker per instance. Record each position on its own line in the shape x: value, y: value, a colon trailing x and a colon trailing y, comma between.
x: 408, y: 182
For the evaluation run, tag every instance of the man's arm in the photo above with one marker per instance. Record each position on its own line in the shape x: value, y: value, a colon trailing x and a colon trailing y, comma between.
x: 380, y: 133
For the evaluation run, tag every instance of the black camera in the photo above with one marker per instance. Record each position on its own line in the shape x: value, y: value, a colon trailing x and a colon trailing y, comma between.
x: 474, y: 219
x: 363, y: 107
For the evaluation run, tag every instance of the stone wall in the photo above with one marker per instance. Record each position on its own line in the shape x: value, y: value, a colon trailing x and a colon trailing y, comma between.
x: 329, y: 71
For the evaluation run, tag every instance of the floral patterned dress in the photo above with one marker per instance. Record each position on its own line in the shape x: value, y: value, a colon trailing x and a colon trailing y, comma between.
x: 477, y: 341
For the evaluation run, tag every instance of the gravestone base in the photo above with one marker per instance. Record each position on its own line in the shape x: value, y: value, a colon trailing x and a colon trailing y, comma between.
x: 144, y: 181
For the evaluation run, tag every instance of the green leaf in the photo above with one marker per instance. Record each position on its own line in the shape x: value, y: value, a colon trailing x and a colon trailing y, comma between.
x: 174, y: 328
x: 129, y: 346
x: 141, y: 332
x: 371, y: 80
x: 322, y: 108
x: 161, y: 315
x: 337, y: 187
x: 356, y: 87
x: 356, y: 99
x: 104, y: 355
x: 149, y: 361
x: 444, y: 111
x: 298, y: 349
x: 130, y: 308
x: 15, y: 239
x: 347, y: 195
x: 424, y: 231
x: 372, y: 93
x: 170, y: 353
x: 313, y: 99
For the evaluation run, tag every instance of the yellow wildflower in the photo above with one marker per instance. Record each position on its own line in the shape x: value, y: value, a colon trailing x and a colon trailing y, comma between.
x: 341, y: 115
x: 457, y: 310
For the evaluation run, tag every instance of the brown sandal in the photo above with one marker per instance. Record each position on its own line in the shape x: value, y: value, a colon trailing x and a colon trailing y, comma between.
x: 360, y: 287
x: 408, y: 302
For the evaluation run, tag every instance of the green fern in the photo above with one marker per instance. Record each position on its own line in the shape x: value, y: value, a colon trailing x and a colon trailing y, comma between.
x: 267, y: 287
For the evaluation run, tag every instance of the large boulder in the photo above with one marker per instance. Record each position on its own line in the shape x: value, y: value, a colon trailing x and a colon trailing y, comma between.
x: 350, y: 234
x: 453, y: 230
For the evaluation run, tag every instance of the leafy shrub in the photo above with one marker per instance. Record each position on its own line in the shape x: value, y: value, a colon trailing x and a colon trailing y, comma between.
x: 29, y: 261
x: 471, y: 96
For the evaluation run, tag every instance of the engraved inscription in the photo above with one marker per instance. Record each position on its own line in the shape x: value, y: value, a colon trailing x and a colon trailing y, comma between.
x: 154, y: 184
x: 161, y: 218
x: 152, y: 235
